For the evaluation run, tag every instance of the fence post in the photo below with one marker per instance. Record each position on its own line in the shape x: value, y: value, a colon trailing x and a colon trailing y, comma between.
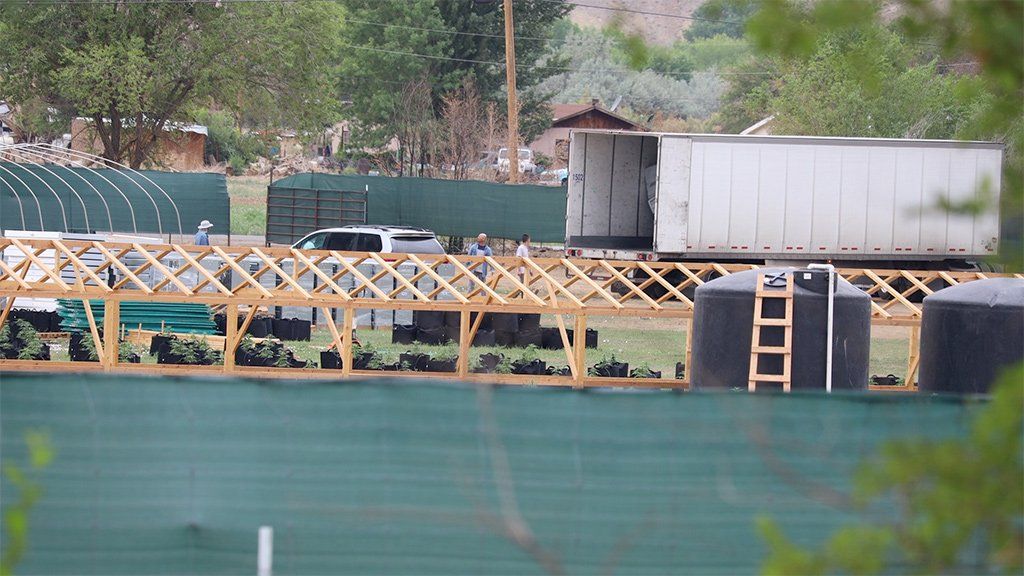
x: 230, y: 336
x: 464, y: 343
x: 579, y: 349
x: 111, y: 325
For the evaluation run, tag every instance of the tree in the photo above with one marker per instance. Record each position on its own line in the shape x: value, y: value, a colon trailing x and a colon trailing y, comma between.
x: 865, y: 83
x: 715, y: 17
x: 447, y: 41
x: 463, y: 125
x: 606, y: 69
x: 135, y: 68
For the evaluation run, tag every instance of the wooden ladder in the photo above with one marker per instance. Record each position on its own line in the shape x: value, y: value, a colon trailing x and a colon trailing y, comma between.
x: 786, y: 322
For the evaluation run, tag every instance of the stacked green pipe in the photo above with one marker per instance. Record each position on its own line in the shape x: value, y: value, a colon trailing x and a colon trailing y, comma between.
x: 174, y: 316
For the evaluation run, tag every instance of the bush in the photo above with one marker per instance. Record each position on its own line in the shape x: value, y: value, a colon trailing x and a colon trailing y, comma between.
x: 227, y: 143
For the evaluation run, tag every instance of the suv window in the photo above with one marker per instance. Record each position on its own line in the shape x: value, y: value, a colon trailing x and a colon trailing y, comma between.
x: 341, y: 241
x: 422, y: 244
x: 368, y: 243
x: 314, y: 242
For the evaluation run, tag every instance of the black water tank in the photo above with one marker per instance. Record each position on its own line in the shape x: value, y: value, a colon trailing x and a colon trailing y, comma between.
x: 723, y: 321
x: 969, y: 332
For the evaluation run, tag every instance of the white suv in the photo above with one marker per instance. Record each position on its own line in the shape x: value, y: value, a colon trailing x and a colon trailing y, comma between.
x: 382, y: 239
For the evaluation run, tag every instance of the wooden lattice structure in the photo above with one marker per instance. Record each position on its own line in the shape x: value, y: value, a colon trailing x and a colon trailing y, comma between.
x: 251, y: 277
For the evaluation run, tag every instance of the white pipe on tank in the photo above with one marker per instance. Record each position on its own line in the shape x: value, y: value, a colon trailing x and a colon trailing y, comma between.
x: 831, y: 307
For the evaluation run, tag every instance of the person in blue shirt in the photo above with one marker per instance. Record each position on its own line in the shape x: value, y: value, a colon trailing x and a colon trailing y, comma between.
x: 480, y: 248
x: 202, y: 236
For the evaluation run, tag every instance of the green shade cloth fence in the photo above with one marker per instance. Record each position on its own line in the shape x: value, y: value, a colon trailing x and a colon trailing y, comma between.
x: 175, y: 476
x: 198, y: 197
x: 176, y: 317
x: 448, y: 207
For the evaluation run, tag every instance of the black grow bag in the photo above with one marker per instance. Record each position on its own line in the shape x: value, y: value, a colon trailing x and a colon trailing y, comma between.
x: 531, y: 337
x: 403, y: 333
x: 551, y: 339
x: 414, y: 360
x: 330, y: 360
x: 431, y: 335
x: 441, y: 365
x: 535, y: 367
x: 283, y: 328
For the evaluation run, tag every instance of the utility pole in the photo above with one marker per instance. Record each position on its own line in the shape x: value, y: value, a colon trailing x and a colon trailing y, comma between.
x: 513, y: 104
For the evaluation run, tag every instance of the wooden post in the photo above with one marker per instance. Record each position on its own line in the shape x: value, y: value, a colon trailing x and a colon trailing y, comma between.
x: 111, y: 322
x: 231, y: 339
x: 913, y: 358
x: 7, y: 310
x: 513, y: 103
x: 346, y: 343
x: 579, y: 346
x: 464, y: 343
x: 689, y: 353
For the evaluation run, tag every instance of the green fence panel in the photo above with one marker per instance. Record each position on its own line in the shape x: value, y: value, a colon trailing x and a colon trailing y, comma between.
x: 175, y: 476
x: 48, y: 197
x: 448, y: 207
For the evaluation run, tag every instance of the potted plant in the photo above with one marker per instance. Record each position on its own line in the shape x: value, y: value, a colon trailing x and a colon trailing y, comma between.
x: 413, y: 359
x: 160, y: 341
x: 20, y: 340
x: 529, y: 362
x: 127, y: 353
x: 488, y: 363
x: 609, y: 367
x: 445, y: 361
x: 330, y: 359
x: 563, y: 371
x: 644, y: 371
x: 85, y: 351
x: 680, y: 370
x: 363, y: 356
x: 191, y: 350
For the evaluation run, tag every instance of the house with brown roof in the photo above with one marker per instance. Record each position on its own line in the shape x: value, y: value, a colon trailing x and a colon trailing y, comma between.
x: 554, y: 142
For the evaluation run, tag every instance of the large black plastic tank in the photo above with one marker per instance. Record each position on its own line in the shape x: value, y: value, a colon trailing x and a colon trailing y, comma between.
x: 723, y: 321
x: 969, y: 332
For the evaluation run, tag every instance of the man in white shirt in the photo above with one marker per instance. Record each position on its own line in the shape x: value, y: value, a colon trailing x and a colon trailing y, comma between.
x: 523, y: 251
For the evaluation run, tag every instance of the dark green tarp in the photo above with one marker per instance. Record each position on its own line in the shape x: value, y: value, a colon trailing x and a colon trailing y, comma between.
x: 110, y: 197
x: 448, y: 207
x: 175, y: 476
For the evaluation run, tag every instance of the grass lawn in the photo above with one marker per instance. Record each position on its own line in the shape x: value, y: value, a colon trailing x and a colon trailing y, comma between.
x: 248, y: 196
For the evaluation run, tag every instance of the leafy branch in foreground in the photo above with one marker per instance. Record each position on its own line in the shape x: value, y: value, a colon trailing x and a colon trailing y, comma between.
x: 960, y: 504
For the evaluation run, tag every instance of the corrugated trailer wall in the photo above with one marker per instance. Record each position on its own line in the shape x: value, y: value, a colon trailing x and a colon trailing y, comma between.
x: 725, y: 196
x: 848, y: 198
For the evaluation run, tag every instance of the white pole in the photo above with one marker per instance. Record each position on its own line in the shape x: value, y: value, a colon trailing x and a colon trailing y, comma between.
x: 831, y: 307
x: 265, y: 552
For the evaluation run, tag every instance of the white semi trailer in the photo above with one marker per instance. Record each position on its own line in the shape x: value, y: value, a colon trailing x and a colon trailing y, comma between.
x: 658, y: 196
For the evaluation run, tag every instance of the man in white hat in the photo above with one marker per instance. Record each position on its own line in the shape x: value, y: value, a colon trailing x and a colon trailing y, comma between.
x: 202, y: 236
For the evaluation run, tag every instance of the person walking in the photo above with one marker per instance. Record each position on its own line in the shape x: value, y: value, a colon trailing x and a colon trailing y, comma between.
x: 203, y: 236
x: 480, y: 248
x: 523, y: 251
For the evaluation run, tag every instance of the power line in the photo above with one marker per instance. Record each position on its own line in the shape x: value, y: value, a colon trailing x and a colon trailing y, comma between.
x: 641, y: 12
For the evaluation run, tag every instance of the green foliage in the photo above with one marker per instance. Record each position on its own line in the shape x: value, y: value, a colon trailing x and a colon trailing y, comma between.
x: 866, y: 84
x: 25, y: 345
x: 721, y: 17
x: 529, y: 354
x: 133, y: 68
x: 719, y: 51
x: 380, y: 58
x: 25, y: 481
x: 227, y: 142
x: 650, y: 80
x: 960, y: 503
